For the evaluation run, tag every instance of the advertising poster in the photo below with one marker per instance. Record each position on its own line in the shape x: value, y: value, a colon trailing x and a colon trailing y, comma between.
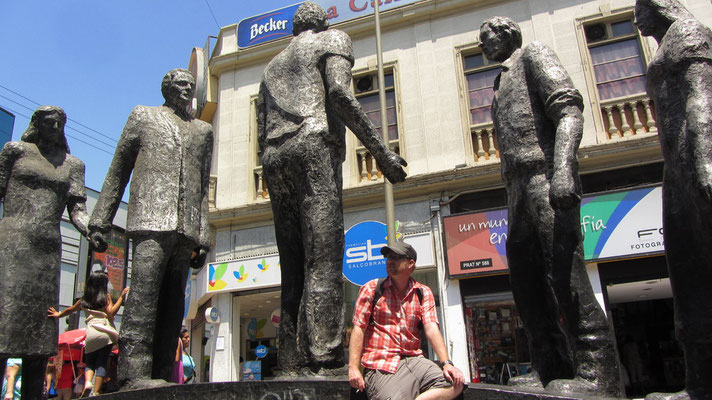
x: 277, y: 24
x: 253, y: 273
x: 114, y: 261
x: 476, y: 243
x: 614, y: 225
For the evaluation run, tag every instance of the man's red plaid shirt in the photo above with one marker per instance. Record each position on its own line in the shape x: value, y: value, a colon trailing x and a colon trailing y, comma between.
x: 394, y: 332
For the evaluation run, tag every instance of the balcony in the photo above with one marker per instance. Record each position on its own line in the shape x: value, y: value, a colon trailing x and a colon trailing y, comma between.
x: 261, y: 192
x: 484, y: 143
x: 367, y: 166
x: 628, y: 117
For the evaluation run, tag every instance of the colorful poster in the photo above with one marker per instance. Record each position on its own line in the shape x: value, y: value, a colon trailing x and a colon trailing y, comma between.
x: 622, y: 224
x: 251, y: 273
x: 113, y: 261
x: 476, y: 243
x: 614, y: 225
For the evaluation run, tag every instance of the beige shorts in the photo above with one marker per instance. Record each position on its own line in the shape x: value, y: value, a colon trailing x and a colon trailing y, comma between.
x: 414, y: 376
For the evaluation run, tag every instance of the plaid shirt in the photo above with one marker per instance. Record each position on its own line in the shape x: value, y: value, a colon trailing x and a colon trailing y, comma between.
x: 394, y: 332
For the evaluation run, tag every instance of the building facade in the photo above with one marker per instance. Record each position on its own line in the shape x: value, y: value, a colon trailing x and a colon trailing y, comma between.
x: 7, y: 123
x: 439, y: 88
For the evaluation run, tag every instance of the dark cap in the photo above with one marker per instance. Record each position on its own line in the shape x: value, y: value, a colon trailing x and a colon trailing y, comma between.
x: 400, y: 248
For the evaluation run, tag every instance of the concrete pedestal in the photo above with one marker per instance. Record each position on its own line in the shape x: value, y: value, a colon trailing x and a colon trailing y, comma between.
x: 306, y: 390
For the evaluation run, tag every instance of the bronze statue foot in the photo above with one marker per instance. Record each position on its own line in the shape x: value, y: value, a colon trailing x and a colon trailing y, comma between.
x: 573, y: 386
x: 526, y: 381
x: 146, y: 384
x: 683, y: 395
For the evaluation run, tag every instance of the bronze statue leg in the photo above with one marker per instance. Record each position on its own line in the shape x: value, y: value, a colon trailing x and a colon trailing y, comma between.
x: 151, y: 252
x: 530, y: 275
x: 171, y: 305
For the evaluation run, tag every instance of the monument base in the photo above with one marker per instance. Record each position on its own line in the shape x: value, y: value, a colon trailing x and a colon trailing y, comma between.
x: 309, y: 390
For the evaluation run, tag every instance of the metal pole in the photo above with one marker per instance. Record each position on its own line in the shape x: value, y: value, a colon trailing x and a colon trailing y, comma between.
x: 387, y: 186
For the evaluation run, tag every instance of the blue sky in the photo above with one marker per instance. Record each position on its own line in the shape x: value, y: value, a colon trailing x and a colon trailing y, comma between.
x: 99, y: 59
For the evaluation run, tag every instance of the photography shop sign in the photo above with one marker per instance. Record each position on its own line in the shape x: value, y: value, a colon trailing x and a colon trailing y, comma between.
x: 614, y: 225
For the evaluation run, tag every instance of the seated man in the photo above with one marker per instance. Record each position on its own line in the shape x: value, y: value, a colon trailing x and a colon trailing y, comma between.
x: 388, y: 316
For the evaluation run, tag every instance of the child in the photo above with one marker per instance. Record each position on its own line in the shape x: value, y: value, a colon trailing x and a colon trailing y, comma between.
x: 101, y: 334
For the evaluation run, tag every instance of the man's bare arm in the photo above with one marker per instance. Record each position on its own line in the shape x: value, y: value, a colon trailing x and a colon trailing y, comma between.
x: 355, y: 351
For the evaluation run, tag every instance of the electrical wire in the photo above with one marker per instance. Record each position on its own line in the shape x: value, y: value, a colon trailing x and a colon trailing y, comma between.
x: 212, y: 13
x: 68, y: 119
x: 66, y: 134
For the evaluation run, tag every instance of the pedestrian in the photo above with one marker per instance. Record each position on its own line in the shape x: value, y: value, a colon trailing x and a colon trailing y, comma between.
x: 101, y: 334
x: 12, y: 383
x: 387, y: 343
x: 184, y: 359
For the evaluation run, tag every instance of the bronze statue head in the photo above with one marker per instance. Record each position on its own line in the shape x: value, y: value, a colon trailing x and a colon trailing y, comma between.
x: 47, y: 126
x: 178, y: 87
x: 654, y: 17
x: 309, y: 16
x: 500, y: 37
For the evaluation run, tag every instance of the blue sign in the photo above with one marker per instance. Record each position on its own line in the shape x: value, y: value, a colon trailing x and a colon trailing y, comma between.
x: 362, y: 252
x: 278, y: 24
x: 266, y: 27
x: 261, y: 351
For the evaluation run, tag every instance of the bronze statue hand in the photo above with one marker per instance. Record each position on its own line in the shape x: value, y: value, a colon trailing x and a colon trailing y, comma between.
x: 562, y: 193
x: 198, y: 258
x: 98, y: 241
x: 392, y: 167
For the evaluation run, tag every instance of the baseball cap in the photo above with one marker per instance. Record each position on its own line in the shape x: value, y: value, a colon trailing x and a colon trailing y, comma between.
x: 400, y: 248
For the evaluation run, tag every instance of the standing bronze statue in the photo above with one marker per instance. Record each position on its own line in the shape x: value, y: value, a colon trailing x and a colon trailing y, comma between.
x: 39, y: 179
x: 304, y: 101
x: 680, y: 83
x: 538, y: 119
x: 169, y: 153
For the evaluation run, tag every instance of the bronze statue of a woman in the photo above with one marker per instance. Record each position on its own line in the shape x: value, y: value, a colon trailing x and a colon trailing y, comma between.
x: 680, y: 83
x: 38, y: 180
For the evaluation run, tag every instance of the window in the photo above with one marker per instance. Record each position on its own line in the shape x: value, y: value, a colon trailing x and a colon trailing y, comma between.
x: 366, y: 91
x: 618, y: 70
x: 480, y: 73
x: 617, y: 59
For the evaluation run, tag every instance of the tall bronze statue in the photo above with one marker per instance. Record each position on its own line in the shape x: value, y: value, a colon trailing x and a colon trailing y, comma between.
x: 538, y: 120
x: 39, y: 179
x: 304, y: 101
x: 169, y: 153
x: 680, y: 83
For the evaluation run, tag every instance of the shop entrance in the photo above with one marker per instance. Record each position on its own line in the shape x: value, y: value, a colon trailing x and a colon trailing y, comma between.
x: 641, y: 308
x: 259, y: 319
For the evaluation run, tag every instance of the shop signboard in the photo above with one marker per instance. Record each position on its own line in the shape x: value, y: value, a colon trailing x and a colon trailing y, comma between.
x: 623, y: 224
x: 113, y: 260
x: 278, y: 24
x: 614, y: 225
x: 475, y: 243
x: 249, y: 273
x: 362, y: 250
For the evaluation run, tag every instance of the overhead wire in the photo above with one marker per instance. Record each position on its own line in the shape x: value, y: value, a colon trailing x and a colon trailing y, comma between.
x: 65, y: 133
x: 212, y: 13
x: 68, y: 119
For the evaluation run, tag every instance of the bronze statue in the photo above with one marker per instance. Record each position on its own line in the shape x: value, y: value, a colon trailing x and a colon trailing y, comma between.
x: 304, y: 101
x: 38, y: 180
x: 679, y: 81
x: 538, y: 120
x: 169, y: 153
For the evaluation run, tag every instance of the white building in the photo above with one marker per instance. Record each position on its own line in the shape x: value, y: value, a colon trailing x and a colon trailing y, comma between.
x: 439, y: 89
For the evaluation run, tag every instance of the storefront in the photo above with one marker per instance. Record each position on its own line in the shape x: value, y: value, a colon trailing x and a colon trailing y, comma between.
x: 245, y: 292
x: 624, y: 251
